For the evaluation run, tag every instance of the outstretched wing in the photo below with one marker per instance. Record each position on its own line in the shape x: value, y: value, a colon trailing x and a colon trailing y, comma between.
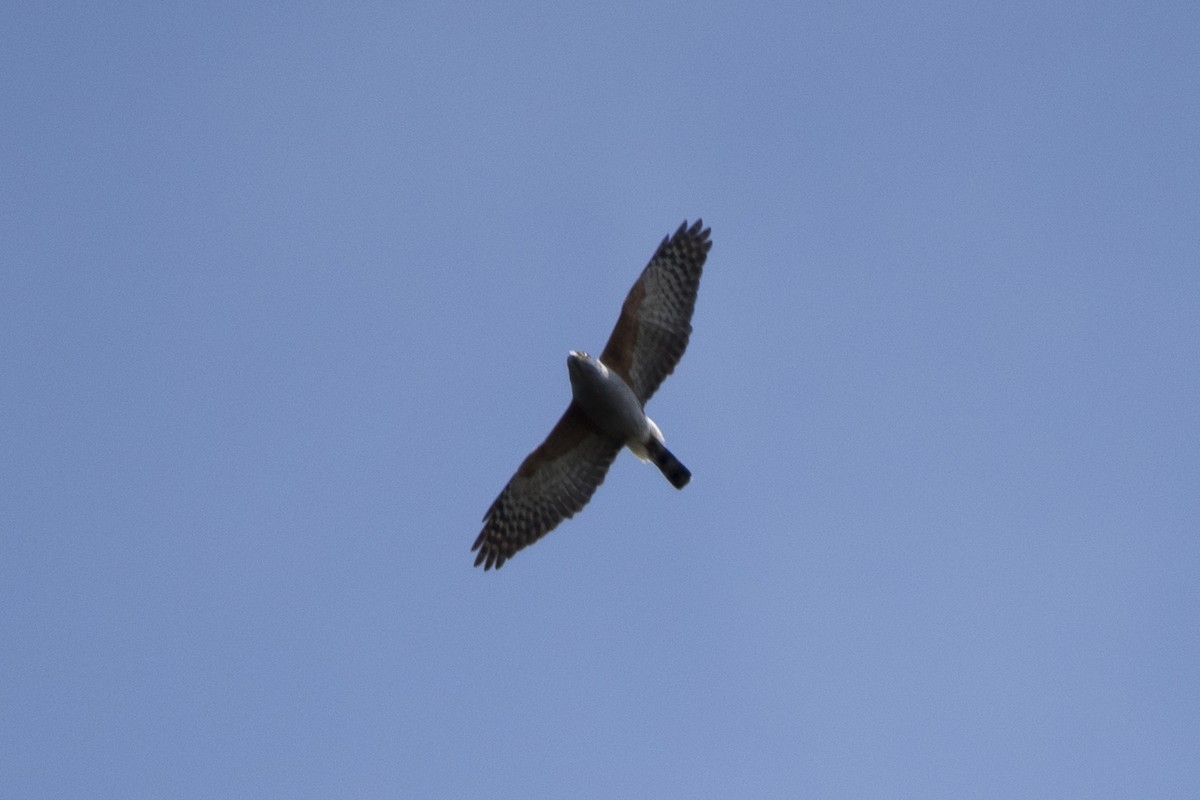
x: 553, y: 483
x: 656, y: 319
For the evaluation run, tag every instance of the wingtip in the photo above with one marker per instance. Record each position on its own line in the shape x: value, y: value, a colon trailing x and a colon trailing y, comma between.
x: 695, y: 231
x: 488, y: 558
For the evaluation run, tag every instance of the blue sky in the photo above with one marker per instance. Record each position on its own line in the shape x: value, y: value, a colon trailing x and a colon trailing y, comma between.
x: 287, y: 295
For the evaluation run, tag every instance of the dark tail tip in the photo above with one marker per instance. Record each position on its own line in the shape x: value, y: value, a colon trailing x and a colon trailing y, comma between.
x: 665, y: 460
x: 679, y: 476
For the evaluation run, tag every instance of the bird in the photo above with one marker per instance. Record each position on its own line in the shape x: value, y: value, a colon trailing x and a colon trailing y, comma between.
x: 607, y: 408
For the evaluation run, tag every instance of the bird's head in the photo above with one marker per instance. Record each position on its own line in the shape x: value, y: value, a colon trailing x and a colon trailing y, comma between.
x: 580, y: 364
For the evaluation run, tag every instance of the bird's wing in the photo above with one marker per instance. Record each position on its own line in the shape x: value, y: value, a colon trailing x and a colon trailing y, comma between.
x: 656, y: 319
x: 553, y: 483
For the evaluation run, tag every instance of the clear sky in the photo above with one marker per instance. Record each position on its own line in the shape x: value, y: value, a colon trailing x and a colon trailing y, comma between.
x: 287, y: 294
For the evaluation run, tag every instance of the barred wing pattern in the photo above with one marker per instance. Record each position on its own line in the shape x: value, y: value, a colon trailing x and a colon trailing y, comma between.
x: 656, y: 318
x: 553, y: 483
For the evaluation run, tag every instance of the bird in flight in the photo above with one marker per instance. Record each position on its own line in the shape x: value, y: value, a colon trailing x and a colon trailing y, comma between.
x: 606, y: 413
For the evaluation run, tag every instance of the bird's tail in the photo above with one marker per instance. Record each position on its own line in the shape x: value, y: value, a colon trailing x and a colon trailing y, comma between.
x: 666, y: 461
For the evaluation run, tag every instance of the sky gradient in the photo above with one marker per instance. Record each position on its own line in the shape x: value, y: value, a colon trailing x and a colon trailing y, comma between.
x: 287, y: 295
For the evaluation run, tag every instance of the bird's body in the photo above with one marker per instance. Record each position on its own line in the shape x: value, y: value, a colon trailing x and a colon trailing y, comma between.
x: 610, y: 403
x: 606, y: 412
x: 607, y: 399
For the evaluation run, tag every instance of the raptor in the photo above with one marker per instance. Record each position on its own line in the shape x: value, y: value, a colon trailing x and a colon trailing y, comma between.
x: 607, y: 409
